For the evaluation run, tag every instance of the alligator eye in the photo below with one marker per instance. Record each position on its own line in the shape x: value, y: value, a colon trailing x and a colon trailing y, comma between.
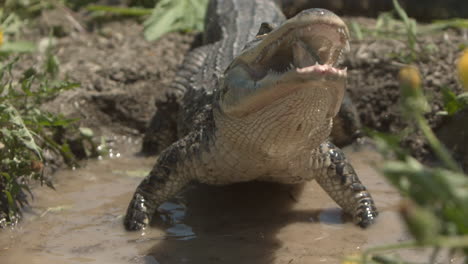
x: 265, y: 28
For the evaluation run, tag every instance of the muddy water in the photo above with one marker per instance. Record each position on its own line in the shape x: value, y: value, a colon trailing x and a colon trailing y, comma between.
x: 81, y: 222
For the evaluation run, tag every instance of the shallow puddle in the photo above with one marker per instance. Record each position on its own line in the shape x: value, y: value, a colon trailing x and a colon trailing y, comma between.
x: 81, y: 222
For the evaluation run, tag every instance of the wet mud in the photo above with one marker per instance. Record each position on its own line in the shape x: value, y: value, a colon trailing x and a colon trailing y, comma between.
x: 81, y: 222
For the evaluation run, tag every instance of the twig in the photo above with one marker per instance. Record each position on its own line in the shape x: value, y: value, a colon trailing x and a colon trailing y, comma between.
x: 439, y: 149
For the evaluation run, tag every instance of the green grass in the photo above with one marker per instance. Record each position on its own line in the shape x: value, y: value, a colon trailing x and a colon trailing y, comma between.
x: 397, y: 25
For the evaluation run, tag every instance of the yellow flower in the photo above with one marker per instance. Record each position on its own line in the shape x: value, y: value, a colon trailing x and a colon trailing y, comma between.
x: 412, y: 99
x: 409, y: 77
x: 463, y: 68
x: 1, y: 37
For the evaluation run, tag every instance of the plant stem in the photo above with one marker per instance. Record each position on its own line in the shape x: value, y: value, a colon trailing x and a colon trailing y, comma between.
x: 439, y: 149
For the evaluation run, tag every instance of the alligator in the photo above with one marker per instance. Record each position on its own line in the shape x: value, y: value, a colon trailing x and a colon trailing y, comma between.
x: 256, y: 102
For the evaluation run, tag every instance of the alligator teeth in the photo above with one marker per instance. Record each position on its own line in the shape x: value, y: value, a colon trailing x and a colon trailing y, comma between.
x: 323, y: 69
x: 347, y: 47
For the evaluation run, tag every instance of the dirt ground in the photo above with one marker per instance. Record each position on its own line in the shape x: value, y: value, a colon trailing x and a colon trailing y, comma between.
x: 121, y: 74
x: 373, y: 86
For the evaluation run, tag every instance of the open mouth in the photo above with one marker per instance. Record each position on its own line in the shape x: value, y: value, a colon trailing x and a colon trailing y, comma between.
x: 312, y: 49
x: 302, y: 54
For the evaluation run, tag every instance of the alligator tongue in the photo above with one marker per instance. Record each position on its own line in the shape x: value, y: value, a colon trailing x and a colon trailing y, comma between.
x: 301, y: 56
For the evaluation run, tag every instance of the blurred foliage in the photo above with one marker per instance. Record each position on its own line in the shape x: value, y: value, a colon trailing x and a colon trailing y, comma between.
x: 435, y: 205
x: 26, y: 8
x: 160, y: 16
x: 392, y: 24
x: 166, y: 16
x: 454, y: 103
x: 410, y: 27
x: 457, y: 23
x: 175, y: 15
x: 31, y: 8
x: 397, y: 25
x: 10, y: 26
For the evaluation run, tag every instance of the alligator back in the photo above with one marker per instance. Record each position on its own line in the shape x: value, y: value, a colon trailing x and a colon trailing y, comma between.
x: 229, y: 26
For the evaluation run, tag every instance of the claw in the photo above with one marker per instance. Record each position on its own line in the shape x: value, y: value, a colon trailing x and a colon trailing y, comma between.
x: 136, y: 217
x: 366, y: 216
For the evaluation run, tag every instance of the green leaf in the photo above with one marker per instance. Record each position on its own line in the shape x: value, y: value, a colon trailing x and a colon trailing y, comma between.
x: 31, y: 72
x: 6, y: 175
x: 454, y: 23
x: 26, y: 86
x: 388, y: 144
x: 23, y: 133
x: 173, y: 15
x: 52, y: 65
x: 452, y: 103
x: 50, y: 120
x: 400, y: 11
x: 11, y: 201
x: 19, y: 46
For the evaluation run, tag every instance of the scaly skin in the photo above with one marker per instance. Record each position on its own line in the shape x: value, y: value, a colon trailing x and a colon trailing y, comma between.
x: 267, y: 117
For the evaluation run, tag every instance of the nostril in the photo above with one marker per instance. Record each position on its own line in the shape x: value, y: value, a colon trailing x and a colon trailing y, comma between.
x: 299, y: 127
x: 265, y: 28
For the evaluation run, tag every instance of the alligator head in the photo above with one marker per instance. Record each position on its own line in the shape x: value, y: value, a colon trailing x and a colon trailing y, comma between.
x: 302, y: 54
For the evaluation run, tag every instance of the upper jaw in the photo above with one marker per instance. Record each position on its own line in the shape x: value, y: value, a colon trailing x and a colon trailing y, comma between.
x: 301, y: 44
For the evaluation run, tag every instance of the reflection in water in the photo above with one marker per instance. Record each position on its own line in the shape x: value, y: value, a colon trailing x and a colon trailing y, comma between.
x: 254, y: 222
x: 331, y: 216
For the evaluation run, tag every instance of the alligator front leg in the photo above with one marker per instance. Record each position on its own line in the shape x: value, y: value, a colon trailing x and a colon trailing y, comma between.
x: 340, y: 181
x: 170, y: 174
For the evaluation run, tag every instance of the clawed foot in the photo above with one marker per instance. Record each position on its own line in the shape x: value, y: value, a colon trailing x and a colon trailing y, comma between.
x: 365, y: 215
x: 137, y: 217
